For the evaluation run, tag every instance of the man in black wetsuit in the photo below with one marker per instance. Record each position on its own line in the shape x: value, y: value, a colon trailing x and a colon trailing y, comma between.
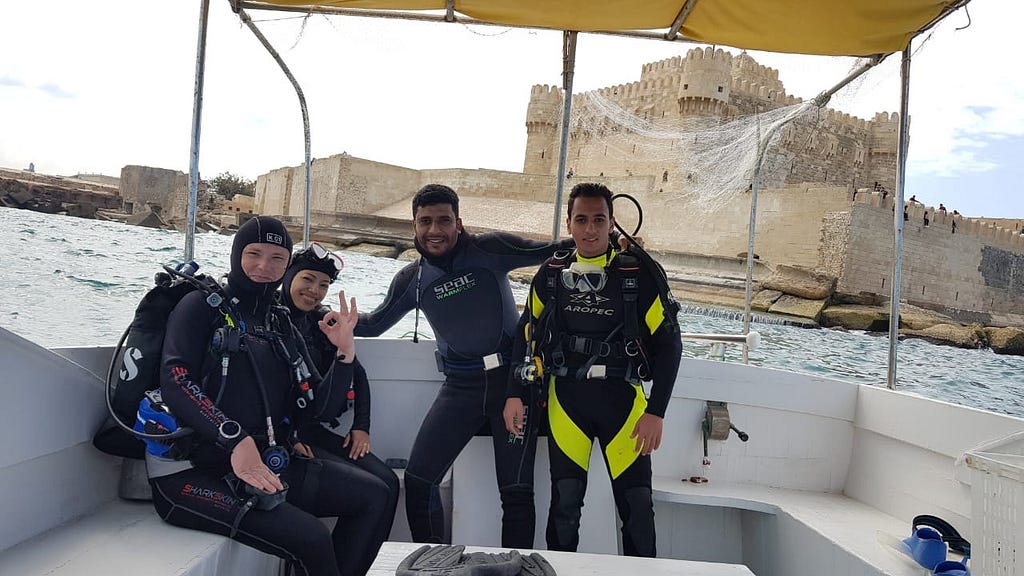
x: 602, y: 321
x: 461, y: 283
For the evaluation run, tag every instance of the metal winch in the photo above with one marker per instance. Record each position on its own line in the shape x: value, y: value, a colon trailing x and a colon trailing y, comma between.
x: 716, y: 426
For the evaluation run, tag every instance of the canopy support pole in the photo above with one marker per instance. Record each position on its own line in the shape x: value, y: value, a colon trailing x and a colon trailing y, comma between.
x: 684, y: 13
x: 755, y: 188
x: 568, y: 70
x: 305, y: 116
x: 197, y: 121
x: 897, y: 215
x: 762, y: 149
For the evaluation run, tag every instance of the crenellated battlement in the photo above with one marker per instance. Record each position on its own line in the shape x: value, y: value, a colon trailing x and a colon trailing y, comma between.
x: 982, y: 229
x: 539, y: 90
x: 708, y: 53
x: 673, y: 64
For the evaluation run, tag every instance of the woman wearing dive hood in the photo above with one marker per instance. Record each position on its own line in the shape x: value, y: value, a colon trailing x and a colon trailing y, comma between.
x: 303, y: 289
x: 242, y: 419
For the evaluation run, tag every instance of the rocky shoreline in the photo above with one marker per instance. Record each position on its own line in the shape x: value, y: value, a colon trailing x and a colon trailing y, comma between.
x: 805, y: 299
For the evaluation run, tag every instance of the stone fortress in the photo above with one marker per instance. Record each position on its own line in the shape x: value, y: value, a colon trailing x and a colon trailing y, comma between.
x: 834, y: 148
x: 824, y: 221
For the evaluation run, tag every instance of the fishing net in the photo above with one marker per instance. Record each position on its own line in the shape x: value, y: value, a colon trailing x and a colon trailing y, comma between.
x: 715, y: 159
x: 703, y: 152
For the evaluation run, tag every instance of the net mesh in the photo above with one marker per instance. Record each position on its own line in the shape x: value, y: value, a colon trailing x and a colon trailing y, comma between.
x: 717, y: 159
x: 710, y: 148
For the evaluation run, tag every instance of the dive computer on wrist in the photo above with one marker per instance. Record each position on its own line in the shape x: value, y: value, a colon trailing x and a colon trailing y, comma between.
x: 228, y: 432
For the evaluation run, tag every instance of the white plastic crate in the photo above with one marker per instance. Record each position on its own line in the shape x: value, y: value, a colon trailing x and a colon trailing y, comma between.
x: 997, y: 506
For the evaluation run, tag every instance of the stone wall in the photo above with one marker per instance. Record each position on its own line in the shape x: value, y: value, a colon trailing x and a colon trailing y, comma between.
x: 974, y: 273
x: 141, y: 187
x: 340, y: 183
x: 979, y: 268
x: 835, y: 239
x: 788, y: 223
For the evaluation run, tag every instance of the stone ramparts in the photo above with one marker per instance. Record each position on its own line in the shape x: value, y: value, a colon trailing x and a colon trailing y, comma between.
x: 971, y: 275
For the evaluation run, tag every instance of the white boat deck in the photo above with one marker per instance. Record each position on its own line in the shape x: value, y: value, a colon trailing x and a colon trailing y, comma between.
x: 129, y: 538
x: 832, y: 475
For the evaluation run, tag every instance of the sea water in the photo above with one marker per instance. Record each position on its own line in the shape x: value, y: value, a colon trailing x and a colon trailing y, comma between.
x: 74, y: 282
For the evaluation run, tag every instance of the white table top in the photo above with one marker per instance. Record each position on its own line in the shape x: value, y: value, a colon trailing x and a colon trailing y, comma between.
x: 577, y: 564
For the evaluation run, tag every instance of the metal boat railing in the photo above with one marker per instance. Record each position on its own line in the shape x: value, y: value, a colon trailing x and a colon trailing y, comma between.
x: 750, y: 341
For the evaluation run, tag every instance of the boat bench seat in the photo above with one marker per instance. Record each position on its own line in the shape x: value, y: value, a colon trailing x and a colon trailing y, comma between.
x: 126, y: 538
x: 833, y: 529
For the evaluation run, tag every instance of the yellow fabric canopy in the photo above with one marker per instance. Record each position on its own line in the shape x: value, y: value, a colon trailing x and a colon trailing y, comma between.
x: 829, y: 27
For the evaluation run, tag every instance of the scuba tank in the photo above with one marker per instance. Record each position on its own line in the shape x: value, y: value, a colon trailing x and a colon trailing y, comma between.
x: 135, y: 364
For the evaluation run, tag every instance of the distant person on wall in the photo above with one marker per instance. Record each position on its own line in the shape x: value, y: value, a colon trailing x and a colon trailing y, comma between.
x: 942, y: 208
x: 600, y: 321
x: 954, y: 227
x: 926, y: 218
x: 460, y: 282
x: 913, y: 198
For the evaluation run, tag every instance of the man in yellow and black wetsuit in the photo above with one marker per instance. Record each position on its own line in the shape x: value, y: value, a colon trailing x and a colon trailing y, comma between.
x: 600, y: 323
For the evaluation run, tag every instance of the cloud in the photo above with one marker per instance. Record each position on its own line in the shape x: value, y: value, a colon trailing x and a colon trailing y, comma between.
x: 55, y: 90
x: 9, y: 81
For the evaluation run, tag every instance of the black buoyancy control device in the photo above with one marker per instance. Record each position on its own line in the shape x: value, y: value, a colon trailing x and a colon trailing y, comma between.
x: 135, y: 363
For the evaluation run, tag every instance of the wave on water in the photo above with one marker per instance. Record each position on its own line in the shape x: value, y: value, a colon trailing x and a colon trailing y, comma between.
x: 92, y: 282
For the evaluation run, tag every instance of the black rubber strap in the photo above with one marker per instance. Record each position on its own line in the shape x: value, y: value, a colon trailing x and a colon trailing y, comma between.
x: 950, y: 536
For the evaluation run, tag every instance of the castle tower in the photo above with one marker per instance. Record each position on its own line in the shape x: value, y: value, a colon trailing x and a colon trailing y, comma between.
x: 882, y: 145
x: 706, y: 83
x: 746, y: 68
x: 542, y: 136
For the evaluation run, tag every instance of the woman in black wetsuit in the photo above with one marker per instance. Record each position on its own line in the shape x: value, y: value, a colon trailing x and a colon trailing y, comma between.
x: 243, y: 423
x: 303, y: 289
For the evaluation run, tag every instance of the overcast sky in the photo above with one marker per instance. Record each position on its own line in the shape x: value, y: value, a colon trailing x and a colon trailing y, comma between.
x: 93, y: 86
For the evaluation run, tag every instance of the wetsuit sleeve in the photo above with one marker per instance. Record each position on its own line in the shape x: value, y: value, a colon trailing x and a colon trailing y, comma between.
x: 333, y: 394
x: 664, y: 347
x: 401, y: 298
x: 533, y: 309
x: 511, y: 251
x: 186, y: 339
x: 361, y: 387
